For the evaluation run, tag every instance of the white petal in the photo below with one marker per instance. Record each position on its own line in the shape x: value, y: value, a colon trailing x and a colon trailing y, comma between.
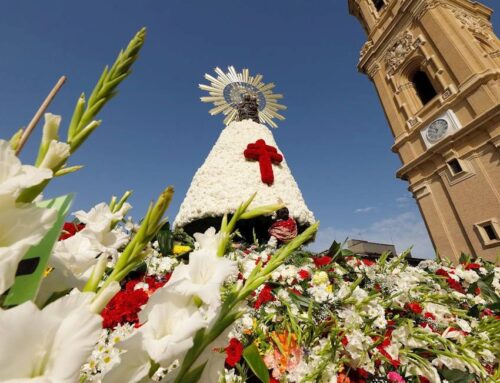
x: 134, y: 363
x: 20, y: 228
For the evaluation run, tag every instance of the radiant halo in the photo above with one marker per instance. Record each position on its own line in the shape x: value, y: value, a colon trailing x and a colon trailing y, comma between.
x: 226, y: 91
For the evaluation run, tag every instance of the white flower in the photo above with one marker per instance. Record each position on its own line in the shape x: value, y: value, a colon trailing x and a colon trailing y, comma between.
x: 134, y: 363
x: 208, y: 241
x: 14, y: 177
x: 57, y: 154
x: 451, y: 363
x: 100, y: 217
x: 203, y: 276
x: 469, y: 276
x: 20, y: 228
x: 78, y: 254
x: 171, y: 321
x: 50, y: 128
x: 357, y: 346
x: 49, y: 345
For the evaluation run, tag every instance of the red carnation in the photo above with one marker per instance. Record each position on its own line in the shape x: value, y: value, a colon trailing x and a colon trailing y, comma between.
x: 368, y: 262
x: 124, y: 308
x: 344, y: 341
x: 455, y: 285
x: 233, y: 352
x: 70, y: 229
x: 473, y: 266
x: 442, y: 273
x: 304, y: 274
x: 429, y: 315
x: 322, y: 261
x: 415, y: 307
x: 265, y: 296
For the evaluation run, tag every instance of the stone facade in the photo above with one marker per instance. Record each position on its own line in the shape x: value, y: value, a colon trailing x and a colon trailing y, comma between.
x: 455, y: 178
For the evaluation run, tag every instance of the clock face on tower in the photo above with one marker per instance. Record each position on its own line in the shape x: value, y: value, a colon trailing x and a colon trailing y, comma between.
x: 436, y: 130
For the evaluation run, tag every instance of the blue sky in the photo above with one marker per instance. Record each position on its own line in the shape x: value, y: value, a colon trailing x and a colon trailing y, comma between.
x: 156, y: 132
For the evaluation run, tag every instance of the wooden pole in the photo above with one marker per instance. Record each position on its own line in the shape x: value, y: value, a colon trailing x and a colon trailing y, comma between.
x: 39, y: 113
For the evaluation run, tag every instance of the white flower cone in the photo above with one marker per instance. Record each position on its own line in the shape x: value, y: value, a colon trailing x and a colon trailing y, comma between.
x: 227, y: 179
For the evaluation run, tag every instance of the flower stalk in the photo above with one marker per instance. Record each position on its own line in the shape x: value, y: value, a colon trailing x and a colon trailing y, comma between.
x: 83, y: 121
x: 135, y: 252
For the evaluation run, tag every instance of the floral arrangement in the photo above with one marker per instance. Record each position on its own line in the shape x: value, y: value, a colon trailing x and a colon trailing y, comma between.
x: 110, y: 300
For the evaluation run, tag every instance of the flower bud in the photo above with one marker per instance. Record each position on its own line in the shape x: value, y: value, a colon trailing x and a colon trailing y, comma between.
x: 57, y: 153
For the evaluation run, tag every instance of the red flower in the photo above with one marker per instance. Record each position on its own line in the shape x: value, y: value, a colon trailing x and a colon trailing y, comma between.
x: 442, y: 273
x: 415, y: 307
x: 304, y: 274
x: 344, y: 341
x: 124, y: 307
x: 473, y: 266
x: 429, y: 315
x: 455, y: 285
x: 295, y: 291
x: 322, y: 261
x: 368, y: 262
x: 265, y: 296
x: 233, y: 352
x: 70, y: 229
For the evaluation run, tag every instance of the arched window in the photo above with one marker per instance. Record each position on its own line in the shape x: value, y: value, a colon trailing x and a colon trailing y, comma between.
x: 379, y: 4
x: 423, y: 86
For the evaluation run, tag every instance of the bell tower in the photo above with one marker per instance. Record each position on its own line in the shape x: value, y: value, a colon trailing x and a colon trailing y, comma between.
x: 436, y: 67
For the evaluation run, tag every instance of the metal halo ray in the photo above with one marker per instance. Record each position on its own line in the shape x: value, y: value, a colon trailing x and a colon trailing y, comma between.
x: 226, y: 91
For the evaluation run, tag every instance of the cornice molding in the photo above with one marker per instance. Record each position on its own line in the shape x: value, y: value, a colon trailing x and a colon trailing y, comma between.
x: 412, y: 11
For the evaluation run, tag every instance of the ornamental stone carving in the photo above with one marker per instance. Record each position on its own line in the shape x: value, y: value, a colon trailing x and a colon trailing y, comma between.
x: 473, y: 23
x: 398, y: 52
x: 366, y: 47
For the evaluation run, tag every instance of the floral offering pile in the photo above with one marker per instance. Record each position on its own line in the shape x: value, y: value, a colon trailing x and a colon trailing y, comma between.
x: 100, y: 298
x: 321, y: 318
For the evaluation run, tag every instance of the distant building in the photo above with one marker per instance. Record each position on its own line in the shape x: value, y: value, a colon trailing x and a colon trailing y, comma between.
x: 373, y: 250
x: 436, y: 67
x: 361, y: 247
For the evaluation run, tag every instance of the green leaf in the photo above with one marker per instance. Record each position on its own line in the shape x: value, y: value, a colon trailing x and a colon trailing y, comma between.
x: 165, y: 239
x: 334, y: 249
x: 194, y: 375
x: 457, y: 376
x: 28, y: 281
x: 255, y: 362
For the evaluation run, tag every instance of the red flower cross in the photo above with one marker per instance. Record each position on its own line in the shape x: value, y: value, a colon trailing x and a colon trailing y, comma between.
x: 266, y: 155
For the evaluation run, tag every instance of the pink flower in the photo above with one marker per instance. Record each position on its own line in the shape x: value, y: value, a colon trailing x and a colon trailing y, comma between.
x: 394, y: 377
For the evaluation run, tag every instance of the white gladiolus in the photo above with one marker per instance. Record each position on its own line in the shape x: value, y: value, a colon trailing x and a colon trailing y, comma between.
x: 20, y: 228
x: 134, y: 362
x: 171, y: 322
x: 208, y: 241
x: 50, y: 128
x: 48, y: 345
x: 203, y: 276
x: 100, y: 217
x: 14, y: 177
x: 57, y: 154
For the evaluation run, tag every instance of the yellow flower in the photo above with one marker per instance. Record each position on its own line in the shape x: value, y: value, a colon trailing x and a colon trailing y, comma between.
x: 320, y: 278
x: 329, y: 288
x: 180, y: 249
